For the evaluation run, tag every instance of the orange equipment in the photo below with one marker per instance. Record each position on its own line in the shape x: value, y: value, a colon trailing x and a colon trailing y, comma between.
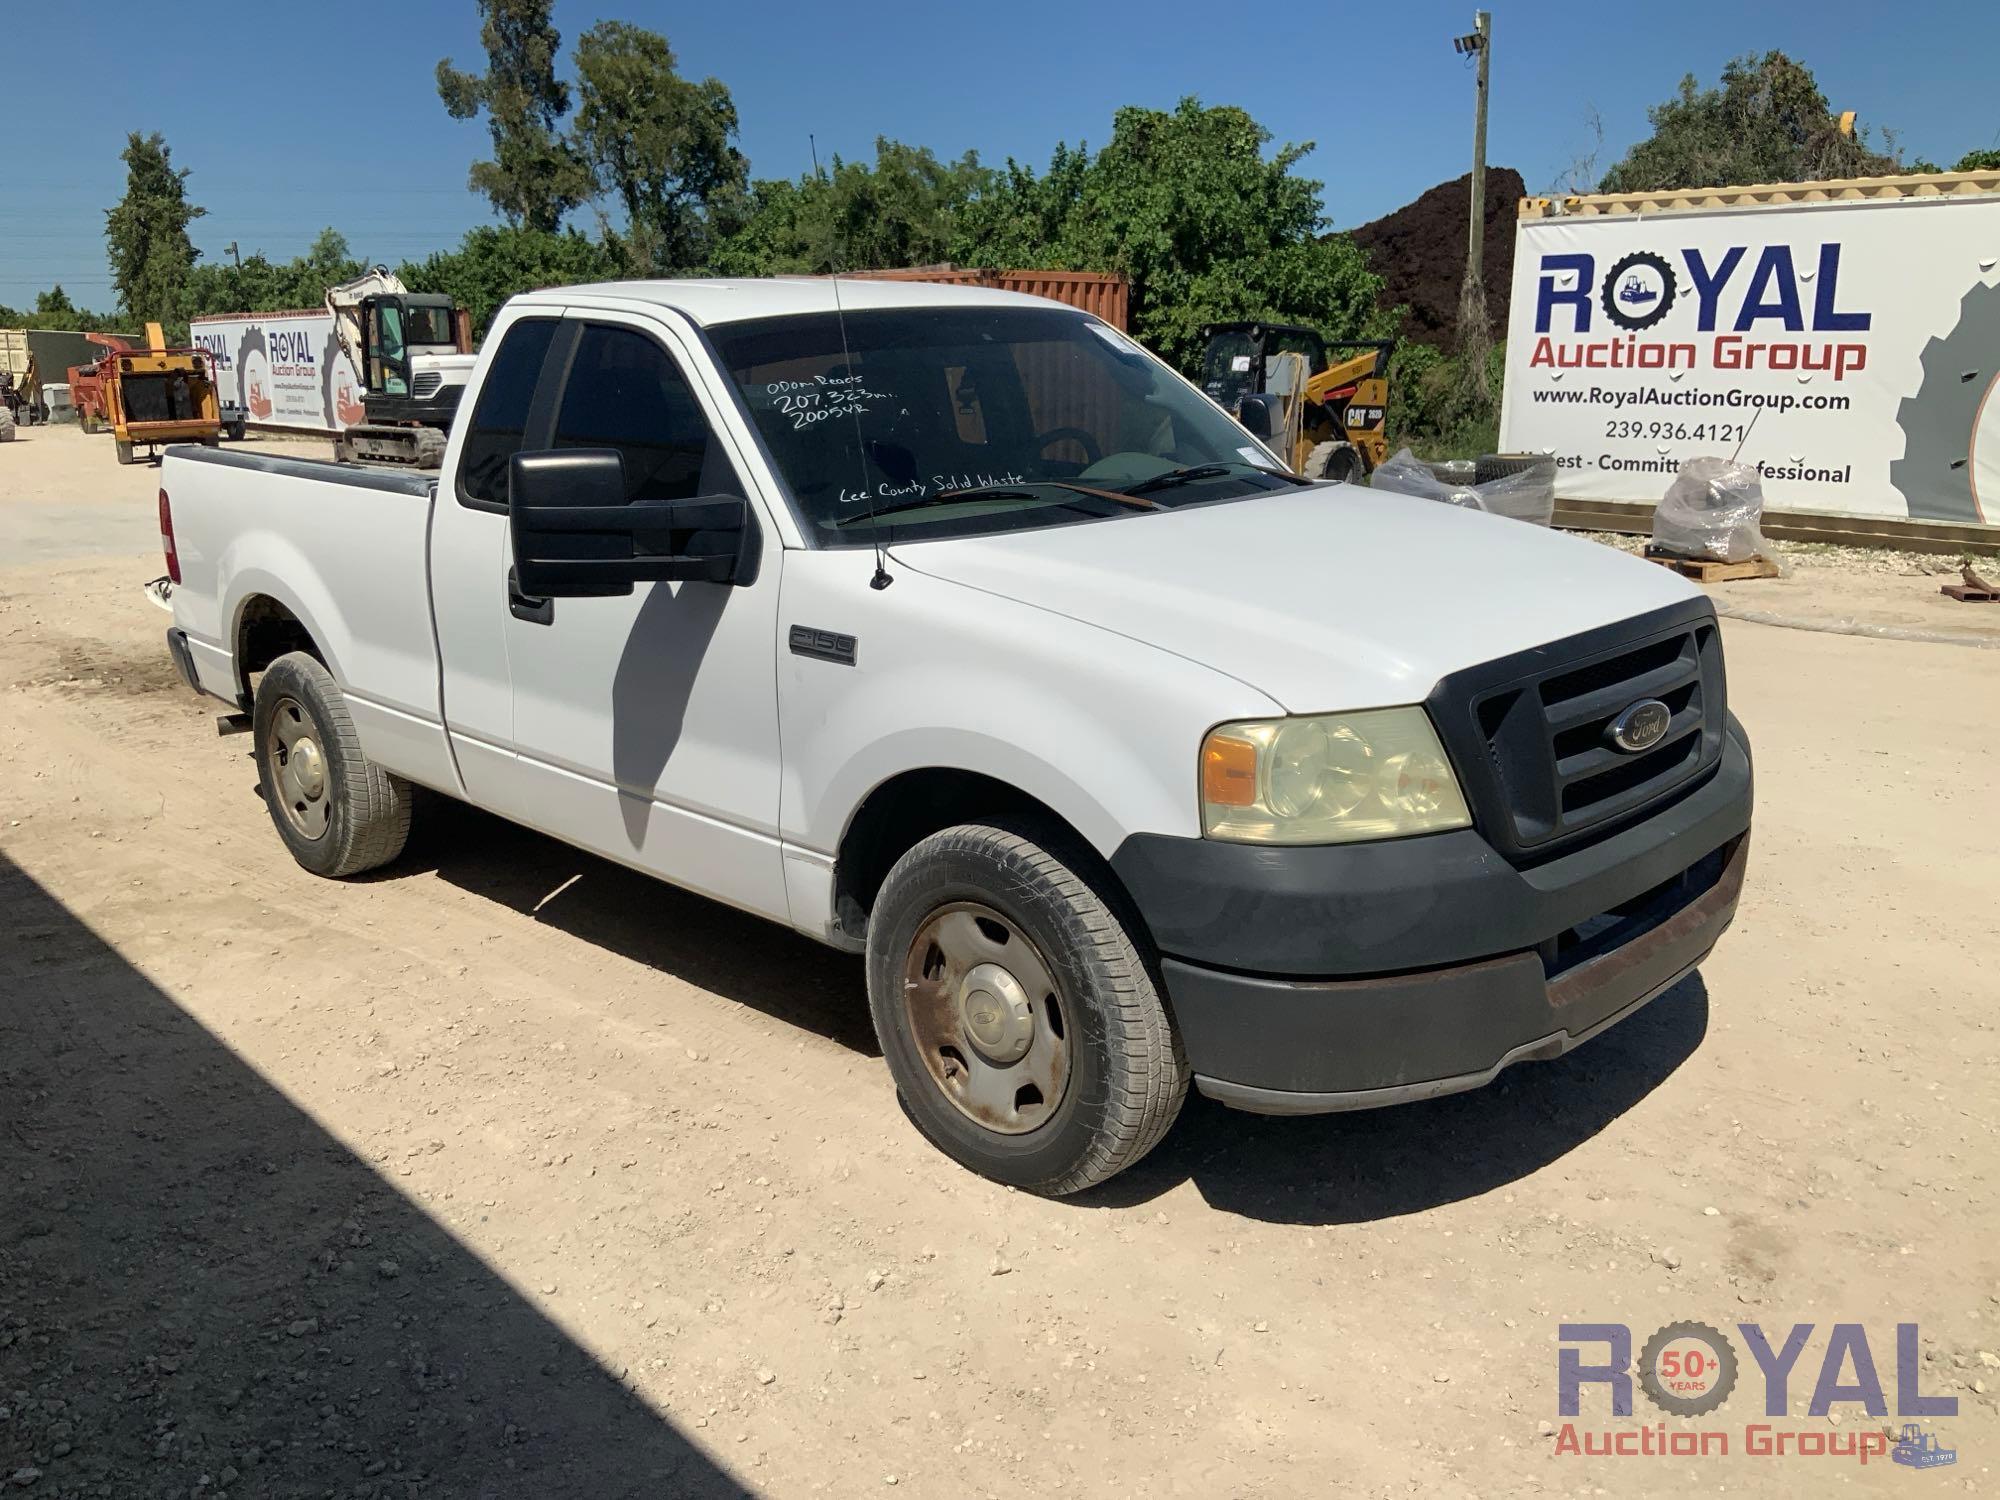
x: 152, y: 396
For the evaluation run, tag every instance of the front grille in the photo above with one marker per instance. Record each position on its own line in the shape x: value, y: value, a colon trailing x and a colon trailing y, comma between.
x: 1530, y: 734
x: 424, y: 385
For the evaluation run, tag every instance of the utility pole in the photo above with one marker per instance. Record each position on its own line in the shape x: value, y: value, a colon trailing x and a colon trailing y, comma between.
x: 232, y: 252
x: 1472, y: 326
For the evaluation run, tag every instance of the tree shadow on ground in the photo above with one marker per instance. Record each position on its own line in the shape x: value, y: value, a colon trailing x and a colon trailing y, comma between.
x: 202, y: 1293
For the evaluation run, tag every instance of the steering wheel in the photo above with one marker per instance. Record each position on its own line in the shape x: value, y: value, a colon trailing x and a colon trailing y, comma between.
x: 1091, y: 452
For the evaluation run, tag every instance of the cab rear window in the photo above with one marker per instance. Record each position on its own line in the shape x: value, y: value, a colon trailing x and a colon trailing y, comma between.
x: 500, y: 421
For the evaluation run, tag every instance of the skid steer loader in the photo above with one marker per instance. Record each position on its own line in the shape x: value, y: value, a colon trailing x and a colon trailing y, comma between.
x: 1324, y: 414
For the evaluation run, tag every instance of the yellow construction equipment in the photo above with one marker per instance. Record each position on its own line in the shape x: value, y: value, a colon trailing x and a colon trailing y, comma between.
x: 1324, y: 415
x: 147, y: 397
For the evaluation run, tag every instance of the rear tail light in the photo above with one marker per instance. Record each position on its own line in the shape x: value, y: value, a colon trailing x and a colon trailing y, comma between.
x: 167, y: 539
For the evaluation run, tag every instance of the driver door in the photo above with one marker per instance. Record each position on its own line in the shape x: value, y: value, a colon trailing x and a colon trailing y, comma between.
x: 645, y: 726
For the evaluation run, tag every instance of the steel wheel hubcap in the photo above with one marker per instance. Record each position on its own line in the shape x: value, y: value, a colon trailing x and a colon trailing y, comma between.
x: 987, y: 1018
x: 298, y: 769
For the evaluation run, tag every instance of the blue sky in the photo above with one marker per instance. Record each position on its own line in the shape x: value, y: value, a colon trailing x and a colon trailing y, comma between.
x: 294, y: 116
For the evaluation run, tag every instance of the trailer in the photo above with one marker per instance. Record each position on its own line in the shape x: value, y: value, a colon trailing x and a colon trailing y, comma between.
x: 1842, y: 337
x: 378, y: 367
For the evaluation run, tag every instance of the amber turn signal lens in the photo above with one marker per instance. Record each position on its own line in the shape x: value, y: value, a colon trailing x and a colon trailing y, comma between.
x: 1228, y: 771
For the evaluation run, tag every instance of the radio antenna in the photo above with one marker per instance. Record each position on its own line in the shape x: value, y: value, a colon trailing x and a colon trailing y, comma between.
x: 881, y: 580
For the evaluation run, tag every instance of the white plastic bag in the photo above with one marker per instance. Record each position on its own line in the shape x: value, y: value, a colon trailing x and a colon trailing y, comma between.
x: 1711, y: 511
x: 1529, y: 495
x: 1524, y: 495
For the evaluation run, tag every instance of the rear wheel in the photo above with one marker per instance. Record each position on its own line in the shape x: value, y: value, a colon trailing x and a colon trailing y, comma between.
x: 337, y: 811
x: 1019, y: 1020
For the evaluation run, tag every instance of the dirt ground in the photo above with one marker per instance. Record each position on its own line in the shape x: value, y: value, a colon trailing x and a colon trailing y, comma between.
x: 510, y: 1173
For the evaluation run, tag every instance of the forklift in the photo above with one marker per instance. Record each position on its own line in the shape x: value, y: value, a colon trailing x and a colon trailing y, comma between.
x: 1324, y: 415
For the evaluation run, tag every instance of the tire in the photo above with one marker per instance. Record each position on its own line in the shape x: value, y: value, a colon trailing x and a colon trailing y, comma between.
x: 1492, y: 466
x: 1123, y: 1073
x: 124, y: 452
x: 359, y: 816
x: 1337, y: 462
x: 234, y: 431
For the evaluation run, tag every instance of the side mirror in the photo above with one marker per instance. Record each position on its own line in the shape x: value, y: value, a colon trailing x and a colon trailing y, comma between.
x: 577, y: 537
x: 1262, y: 415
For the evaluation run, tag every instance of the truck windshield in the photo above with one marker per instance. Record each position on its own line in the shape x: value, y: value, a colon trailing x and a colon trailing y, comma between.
x: 953, y: 421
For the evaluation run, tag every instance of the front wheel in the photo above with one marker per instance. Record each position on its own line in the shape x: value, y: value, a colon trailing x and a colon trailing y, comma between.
x: 1336, y: 462
x: 1019, y: 1020
x: 124, y: 451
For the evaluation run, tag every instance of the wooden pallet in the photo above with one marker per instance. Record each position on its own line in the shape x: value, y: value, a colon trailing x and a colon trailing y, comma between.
x: 1703, y: 571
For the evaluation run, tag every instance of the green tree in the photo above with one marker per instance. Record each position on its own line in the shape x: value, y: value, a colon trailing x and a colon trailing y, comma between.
x: 1208, y: 227
x: 660, y: 144
x: 906, y: 208
x: 535, y: 176
x: 1978, y: 161
x: 1767, y: 122
x: 262, y: 285
x: 53, y: 309
x: 146, y: 234
x: 1184, y: 203
x: 492, y: 263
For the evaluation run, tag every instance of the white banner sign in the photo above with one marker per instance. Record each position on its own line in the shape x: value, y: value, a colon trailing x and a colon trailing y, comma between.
x: 1851, y: 351
x: 283, y: 369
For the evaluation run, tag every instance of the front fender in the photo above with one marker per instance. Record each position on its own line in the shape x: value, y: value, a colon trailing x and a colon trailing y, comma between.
x: 1103, y: 729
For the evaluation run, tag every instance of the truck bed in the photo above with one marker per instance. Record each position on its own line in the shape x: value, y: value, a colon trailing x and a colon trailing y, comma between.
x: 306, y: 533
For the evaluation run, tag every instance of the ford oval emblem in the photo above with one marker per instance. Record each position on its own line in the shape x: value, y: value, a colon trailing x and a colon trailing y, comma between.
x: 1641, y: 726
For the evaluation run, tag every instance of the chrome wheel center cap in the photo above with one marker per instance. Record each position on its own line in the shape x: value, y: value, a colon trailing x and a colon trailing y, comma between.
x: 998, y: 1016
x: 308, y: 768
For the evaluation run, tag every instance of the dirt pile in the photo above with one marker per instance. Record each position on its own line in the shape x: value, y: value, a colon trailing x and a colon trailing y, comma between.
x: 1419, y: 251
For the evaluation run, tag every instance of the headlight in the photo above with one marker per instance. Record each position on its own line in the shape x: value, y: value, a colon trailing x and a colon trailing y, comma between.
x: 1329, y: 779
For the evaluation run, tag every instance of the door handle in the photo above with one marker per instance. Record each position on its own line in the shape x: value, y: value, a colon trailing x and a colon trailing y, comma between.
x: 534, y: 611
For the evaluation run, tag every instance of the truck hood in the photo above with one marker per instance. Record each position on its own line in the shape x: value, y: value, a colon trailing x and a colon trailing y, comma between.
x: 1329, y: 598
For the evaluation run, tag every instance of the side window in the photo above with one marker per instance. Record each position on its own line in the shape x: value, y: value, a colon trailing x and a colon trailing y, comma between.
x: 500, y: 421
x: 626, y: 392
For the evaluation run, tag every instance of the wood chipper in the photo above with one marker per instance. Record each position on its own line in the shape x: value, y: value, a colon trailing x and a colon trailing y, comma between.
x: 147, y: 397
x: 1326, y: 416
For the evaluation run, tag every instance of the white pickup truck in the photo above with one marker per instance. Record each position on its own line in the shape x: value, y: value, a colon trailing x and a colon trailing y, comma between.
x: 952, y: 627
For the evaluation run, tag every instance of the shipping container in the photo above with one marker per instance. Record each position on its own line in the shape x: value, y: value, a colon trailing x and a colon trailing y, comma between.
x: 1101, y: 293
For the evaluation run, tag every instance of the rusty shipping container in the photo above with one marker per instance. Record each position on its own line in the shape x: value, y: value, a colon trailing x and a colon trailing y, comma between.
x: 1102, y: 293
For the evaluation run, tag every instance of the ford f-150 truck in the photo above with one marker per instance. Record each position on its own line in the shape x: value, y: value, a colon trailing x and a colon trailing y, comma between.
x: 951, y: 627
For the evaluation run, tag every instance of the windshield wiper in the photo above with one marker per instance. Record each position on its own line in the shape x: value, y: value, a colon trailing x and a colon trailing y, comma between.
x: 1031, y: 491
x: 1192, y: 472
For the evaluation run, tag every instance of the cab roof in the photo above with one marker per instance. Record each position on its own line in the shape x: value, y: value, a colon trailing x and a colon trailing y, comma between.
x: 717, y: 300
